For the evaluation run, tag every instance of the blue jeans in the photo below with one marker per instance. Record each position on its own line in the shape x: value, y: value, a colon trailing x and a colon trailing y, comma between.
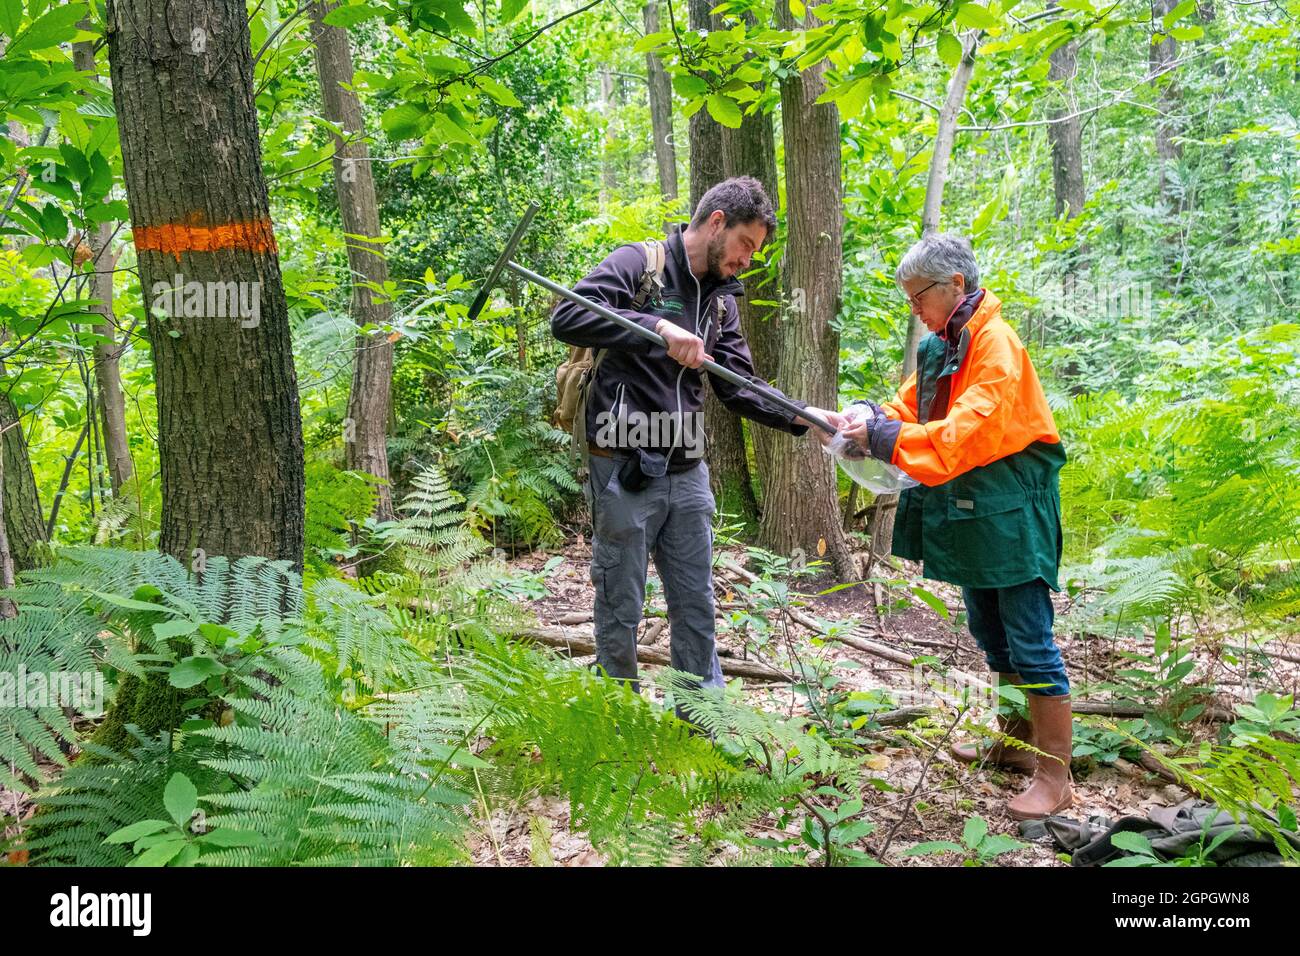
x: 1013, y: 627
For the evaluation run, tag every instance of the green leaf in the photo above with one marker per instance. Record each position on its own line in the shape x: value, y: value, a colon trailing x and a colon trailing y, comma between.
x: 974, y: 831
x: 1012, y: 693
x: 797, y: 9
x: 511, y: 9
x: 1133, y: 842
x: 188, y: 856
x: 180, y: 798
x: 934, y: 846
x: 131, y: 604
x: 689, y: 87
x: 453, y: 11
x: 100, y: 181
x: 228, y: 837
x: 852, y: 100
x: 166, y: 630
x: 1192, y: 32
x: 452, y: 131
x: 57, y: 26
x: 194, y: 670
x: 405, y: 121
x: 949, y: 48
x: 57, y: 187
x: 975, y: 17
x: 724, y: 109
x: 76, y: 162
x: 159, y: 855
x: 129, y: 834
x: 1177, y: 13
x: 11, y: 16
x: 350, y: 16
x: 998, y: 844
x: 498, y: 91
x: 984, y: 218
x: 934, y: 601
x: 651, y: 41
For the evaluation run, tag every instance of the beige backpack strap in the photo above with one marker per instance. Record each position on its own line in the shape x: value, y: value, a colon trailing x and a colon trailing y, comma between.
x: 579, y: 445
x: 652, y: 280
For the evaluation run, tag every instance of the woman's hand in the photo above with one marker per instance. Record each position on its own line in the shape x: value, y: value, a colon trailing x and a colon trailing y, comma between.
x: 860, y: 431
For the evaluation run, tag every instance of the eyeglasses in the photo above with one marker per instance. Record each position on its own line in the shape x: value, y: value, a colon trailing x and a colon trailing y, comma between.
x: 915, y: 300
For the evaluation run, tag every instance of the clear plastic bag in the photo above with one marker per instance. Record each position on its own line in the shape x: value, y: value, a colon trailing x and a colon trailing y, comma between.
x: 876, y: 476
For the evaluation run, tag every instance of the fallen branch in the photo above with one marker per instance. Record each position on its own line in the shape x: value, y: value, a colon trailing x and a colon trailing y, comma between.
x: 901, y: 717
x: 581, y: 643
x: 864, y: 644
x: 1124, y: 708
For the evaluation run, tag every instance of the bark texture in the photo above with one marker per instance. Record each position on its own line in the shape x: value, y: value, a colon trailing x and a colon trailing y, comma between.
x: 229, y: 428
x: 23, y: 522
x: 107, y: 351
x: 801, y: 502
x: 661, y: 109
x: 365, y: 437
x: 728, y: 465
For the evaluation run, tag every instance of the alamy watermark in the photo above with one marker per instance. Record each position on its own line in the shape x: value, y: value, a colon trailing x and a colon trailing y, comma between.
x: 209, y: 300
x: 1080, y: 296
x: 82, y: 690
x: 662, y: 430
x: 960, y: 691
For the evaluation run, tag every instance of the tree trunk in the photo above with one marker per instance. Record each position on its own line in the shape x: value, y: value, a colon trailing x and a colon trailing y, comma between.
x: 229, y: 429
x: 107, y: 351
x: 1168, y: 150
x: 705, y: 131
x: 1066, y: 135
x: 751, y: 151
x: 365, y: 438
x: 728, y: 465
x: 661, y: 109
x: 801, y: 504
x: 608, y: 179
x: 1066, y: 139
x: 7, y: 608
x: 882, y: 517
x: 23, y: 519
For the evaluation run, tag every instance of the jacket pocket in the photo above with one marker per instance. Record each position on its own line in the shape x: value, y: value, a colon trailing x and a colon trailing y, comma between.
x: 988, y: 530
x: 978, y: 401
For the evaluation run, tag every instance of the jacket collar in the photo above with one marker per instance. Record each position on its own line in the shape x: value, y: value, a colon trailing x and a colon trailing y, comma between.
x: 971, y: 313
x: 677, y: 246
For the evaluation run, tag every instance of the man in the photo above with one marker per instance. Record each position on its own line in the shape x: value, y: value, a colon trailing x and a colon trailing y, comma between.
x: 973, y: 427
x: 648, y: 486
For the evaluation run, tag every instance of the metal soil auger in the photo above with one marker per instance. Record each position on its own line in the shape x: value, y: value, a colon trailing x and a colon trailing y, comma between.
x: 876, y: 476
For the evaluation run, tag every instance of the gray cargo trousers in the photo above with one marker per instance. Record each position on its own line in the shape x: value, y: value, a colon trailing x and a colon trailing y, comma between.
x: 671, y: 518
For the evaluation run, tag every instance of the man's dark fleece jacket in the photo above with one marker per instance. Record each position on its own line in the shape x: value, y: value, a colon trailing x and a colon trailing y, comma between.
x: 639, y: 374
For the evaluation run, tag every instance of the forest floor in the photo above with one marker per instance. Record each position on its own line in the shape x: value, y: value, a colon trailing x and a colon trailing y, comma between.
x: 534, y: 830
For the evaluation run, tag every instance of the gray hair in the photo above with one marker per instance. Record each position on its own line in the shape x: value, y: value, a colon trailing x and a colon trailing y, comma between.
x: 939, y: 257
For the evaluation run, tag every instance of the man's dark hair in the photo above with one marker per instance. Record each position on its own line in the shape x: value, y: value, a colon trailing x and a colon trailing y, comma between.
x: 741, y: 199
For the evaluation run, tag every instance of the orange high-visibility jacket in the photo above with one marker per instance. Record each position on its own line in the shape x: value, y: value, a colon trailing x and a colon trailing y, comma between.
x: 996, y: 407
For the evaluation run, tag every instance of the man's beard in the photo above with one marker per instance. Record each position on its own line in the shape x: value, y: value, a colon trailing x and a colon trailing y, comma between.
x: 713, y: 259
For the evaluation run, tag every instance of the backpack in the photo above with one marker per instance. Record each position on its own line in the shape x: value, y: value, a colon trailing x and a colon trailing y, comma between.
x: 1170, y: 832
x: 574, y: 376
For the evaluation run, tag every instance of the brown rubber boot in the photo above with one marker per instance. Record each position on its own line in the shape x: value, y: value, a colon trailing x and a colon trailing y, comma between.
x: 999, y: 755
x: 1049, y: 792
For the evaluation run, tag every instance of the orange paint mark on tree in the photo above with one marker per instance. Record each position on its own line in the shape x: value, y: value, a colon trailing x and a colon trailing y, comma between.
x: 256, y: 235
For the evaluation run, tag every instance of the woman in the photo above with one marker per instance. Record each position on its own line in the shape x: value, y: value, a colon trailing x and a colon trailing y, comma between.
x: 973, y: 427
